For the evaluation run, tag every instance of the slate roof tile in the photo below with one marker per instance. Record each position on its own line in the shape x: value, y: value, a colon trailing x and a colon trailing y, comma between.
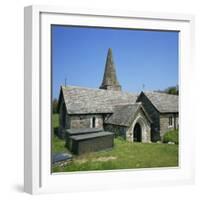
x: 164, y: 103
x: 123, y: 115
x: 81, y: 100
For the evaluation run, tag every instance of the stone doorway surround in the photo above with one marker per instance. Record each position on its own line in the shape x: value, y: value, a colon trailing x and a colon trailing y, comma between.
x: 145, y: 129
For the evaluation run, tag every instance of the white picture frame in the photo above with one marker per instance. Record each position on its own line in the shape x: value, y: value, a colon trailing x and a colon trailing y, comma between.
x: 37, y: 130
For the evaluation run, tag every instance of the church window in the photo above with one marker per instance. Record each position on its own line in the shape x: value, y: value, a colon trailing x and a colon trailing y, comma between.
x: 93, y: 122
x: 170, y: 121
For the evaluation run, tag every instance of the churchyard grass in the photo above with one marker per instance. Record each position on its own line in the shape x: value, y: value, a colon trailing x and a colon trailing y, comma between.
x: 57, y: 144
x: 124, y: 155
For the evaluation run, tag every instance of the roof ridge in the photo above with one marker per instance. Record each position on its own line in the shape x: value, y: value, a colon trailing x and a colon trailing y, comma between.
x: 161, y: 93
x: 129, y: 104
x: 97, y: 89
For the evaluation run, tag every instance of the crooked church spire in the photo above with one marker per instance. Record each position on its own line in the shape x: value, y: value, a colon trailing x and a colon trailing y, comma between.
x: 110, y: 81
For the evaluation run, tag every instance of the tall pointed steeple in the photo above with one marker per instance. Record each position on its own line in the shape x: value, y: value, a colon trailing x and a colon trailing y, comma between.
x: 110, y: 81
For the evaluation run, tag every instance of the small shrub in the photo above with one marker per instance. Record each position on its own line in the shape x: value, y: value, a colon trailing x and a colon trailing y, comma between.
x: 171, y: 136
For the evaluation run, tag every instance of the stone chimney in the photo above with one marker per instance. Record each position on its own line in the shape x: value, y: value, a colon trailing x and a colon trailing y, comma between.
x: 110, y: 81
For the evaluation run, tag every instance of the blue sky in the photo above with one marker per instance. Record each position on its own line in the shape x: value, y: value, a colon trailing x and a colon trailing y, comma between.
x: 141, y: 57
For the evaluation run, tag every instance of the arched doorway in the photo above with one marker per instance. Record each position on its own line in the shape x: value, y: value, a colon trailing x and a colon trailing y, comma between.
x: 137, y: 133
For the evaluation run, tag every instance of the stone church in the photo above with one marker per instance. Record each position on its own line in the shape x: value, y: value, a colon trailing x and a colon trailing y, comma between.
x: 109, y: 111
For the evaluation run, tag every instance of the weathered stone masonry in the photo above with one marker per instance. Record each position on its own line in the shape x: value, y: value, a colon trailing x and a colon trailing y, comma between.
x: 162, y: 108
x: 154, y: 115
x: 164, y: 123
x: 145, y: 125
x: 86, y: 121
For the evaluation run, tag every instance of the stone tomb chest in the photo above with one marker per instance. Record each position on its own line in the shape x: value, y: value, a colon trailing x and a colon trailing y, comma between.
x: 87, y: 140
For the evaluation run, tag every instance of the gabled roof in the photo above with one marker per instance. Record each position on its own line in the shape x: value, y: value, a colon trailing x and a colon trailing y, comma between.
x: 125, y: 114
x: 164, y: 103
x: 79, y: 100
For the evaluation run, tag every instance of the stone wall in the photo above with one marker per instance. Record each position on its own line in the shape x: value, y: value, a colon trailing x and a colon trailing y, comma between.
x: 67, y: 121
x: 85, y: 121
x: 118, y: 130
x: 64, y: 120
x: 154, y: 115
x: 164, y: 123
x: 61, y: 109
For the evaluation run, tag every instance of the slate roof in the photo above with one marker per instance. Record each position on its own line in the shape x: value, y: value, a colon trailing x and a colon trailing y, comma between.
x: 80, y: 100
x: 124, y: 115
x: 164, y: 103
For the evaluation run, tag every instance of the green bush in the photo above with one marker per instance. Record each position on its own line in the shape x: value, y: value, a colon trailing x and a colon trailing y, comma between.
x: 171, y: 136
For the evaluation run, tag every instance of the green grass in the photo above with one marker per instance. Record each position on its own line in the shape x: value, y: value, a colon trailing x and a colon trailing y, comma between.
x: 58, y: 145
x: 124, y: 155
